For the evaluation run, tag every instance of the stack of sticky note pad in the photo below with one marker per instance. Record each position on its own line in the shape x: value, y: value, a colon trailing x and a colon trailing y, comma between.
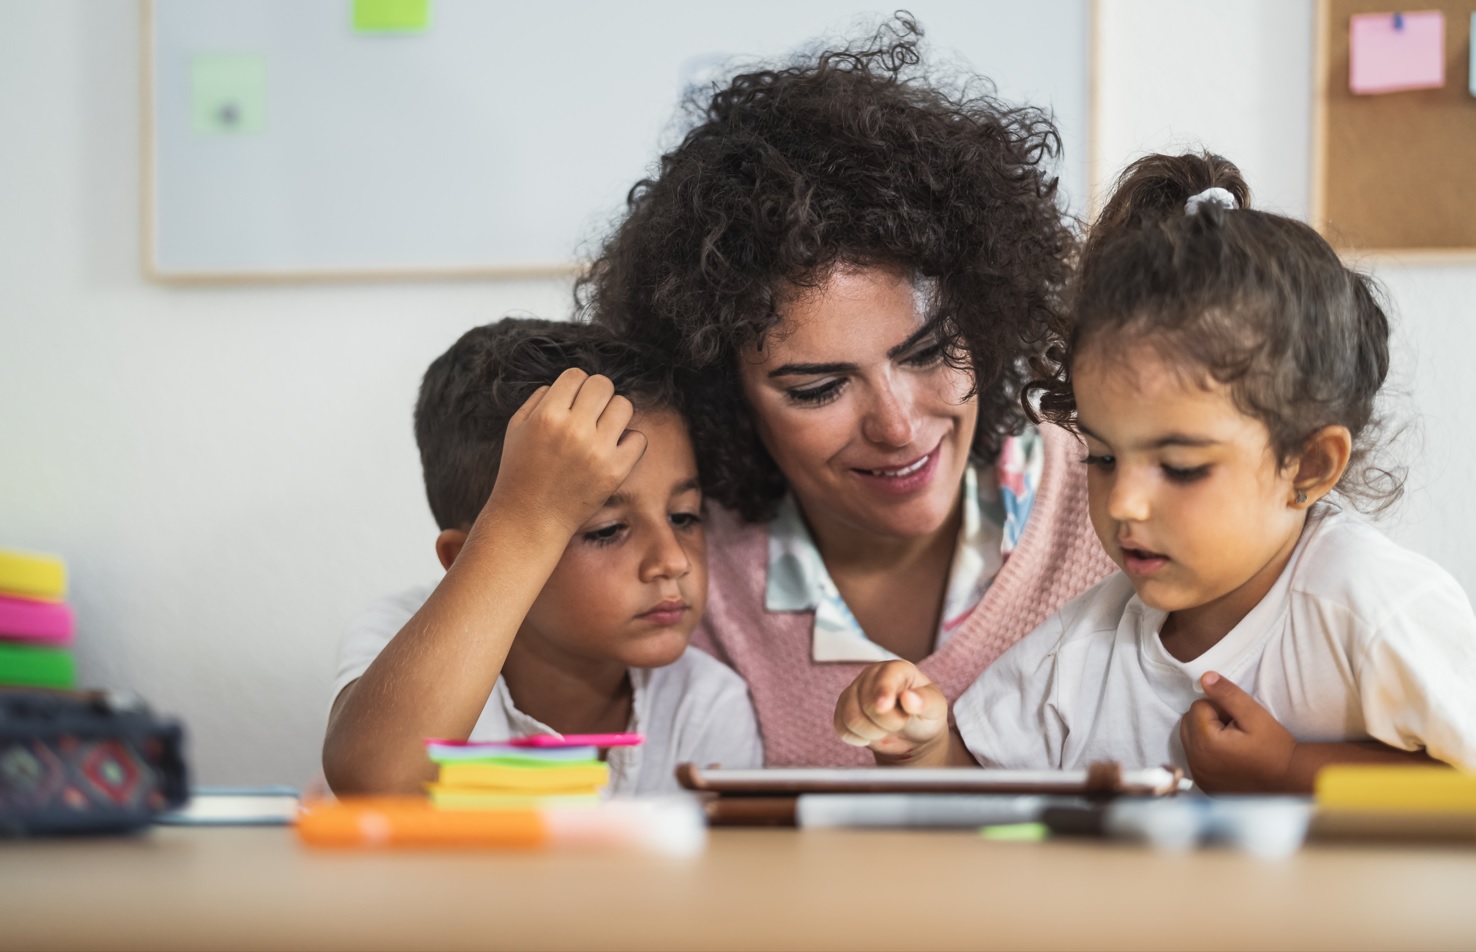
x: 517, y: 775
x: 36, y: 626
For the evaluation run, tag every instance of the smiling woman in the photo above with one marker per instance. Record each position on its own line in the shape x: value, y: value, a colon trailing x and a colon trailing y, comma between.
x: 851, y: 260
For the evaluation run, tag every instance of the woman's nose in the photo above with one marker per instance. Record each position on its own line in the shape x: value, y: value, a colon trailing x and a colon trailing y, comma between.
x: 891, y: 418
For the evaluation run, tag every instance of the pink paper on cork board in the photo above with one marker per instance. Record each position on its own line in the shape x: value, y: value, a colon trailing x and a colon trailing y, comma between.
x: 1386, y: 57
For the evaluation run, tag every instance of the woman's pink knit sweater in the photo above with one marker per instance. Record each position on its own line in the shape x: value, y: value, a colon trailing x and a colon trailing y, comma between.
x: 1057, y: 557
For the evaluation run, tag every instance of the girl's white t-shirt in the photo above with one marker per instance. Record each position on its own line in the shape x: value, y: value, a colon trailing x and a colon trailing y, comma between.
x: 1359, y: 639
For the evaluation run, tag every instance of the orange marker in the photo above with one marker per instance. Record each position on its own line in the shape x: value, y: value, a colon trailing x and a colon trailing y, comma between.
x: 671, y: 825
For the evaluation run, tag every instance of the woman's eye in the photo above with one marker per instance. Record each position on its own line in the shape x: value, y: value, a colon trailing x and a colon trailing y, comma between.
x: 605, y: 535
x: 1100, y: 461
x: 1180, y: 475
x: 927, y: 356
x: 812, y: 396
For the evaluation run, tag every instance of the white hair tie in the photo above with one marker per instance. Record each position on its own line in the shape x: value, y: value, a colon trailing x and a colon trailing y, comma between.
x: 1214, y: 195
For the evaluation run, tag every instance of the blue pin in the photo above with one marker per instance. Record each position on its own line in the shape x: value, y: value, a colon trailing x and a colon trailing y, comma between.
x: 1398, y: 21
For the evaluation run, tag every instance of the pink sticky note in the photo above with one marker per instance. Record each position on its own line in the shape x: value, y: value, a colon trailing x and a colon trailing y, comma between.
x: 1389, y: 52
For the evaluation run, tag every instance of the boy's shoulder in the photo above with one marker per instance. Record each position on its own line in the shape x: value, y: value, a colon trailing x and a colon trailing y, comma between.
x: 695, y: 674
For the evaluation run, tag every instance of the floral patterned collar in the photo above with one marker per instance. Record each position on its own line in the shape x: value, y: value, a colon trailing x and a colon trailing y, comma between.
x: 994, y: 516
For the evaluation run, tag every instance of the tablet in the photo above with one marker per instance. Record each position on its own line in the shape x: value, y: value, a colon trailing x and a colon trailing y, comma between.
x: 1101, y: 779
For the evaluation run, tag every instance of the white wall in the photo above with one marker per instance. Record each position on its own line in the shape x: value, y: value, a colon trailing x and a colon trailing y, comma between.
x: 231, y: 472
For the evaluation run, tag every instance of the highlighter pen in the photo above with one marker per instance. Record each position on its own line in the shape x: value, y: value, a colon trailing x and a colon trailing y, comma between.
x: 671, y: 826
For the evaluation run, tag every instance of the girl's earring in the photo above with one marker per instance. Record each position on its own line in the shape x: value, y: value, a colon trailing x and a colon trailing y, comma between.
x: 1301, y: 497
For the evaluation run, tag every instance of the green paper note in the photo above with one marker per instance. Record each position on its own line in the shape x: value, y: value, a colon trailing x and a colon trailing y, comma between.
x: 391, y: 16
x: 228, y: 94
x: 1016, y: 832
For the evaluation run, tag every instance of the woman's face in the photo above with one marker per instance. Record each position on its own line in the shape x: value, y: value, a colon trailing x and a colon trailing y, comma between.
x: 852, y: 398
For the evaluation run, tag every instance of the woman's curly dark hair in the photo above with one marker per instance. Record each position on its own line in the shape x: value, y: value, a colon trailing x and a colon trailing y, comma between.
x: 857, y: 157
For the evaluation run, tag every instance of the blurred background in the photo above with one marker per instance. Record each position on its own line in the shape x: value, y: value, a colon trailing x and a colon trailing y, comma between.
x: 228, y: 465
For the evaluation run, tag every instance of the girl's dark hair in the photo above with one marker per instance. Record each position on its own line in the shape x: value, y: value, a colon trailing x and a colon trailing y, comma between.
x: 472, y: 390
x: 857, y: 157
x: 1256, y: 301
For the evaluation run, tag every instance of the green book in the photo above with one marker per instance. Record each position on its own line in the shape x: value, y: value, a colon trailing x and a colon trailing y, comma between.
x: 28, y: 666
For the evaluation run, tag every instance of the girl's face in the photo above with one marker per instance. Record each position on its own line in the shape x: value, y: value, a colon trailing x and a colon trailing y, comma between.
x: 1185, y: 490
x: 852, y: 398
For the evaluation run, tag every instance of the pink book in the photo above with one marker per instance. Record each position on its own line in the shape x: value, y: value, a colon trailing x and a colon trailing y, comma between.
x: 26, y: 619
x: 1393, y: 52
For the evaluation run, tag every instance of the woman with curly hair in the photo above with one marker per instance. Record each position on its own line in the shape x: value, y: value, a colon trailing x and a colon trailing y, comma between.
x: 852, y: 263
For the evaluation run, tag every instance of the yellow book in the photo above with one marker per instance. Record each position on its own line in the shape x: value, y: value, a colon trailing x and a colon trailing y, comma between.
x: 460, y: 798
x: 32, y: 575
x: 1428, y: 790
x: 577, y: 779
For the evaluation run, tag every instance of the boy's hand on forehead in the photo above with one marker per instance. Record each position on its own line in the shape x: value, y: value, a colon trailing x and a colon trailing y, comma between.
x: 567, y: 450
x: 1233, y: 744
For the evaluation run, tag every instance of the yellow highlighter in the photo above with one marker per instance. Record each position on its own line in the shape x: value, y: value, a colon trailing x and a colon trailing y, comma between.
x: 1396, y: 802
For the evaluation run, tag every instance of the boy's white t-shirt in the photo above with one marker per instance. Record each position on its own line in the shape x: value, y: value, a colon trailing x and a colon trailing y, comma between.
x: 1359, y: 639
x: 695, y: 710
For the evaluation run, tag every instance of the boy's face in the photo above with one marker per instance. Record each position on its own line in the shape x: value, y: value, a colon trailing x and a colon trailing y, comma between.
x: 632, y: 583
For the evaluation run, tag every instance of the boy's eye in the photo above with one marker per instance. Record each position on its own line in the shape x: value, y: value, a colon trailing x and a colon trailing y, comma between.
x: 685, y: 520
x: 1100, y: 461
x: 812, y: 396
x: 605, y: 534
x: 1179, y: 475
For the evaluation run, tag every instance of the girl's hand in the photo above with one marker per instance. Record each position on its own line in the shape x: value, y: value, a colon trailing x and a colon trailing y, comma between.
x: 894, y: 709
x: 1234, y: 745
x: 566, y: 451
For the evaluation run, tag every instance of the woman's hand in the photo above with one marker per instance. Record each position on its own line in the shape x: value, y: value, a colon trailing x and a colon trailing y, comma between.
x: 894, y: 709
x: 566, y: 451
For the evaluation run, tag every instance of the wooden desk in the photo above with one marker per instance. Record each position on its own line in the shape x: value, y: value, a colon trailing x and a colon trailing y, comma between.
x: 770, y: 889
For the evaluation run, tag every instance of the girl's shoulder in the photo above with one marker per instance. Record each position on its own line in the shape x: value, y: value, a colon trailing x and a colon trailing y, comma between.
x: 1348, y: 563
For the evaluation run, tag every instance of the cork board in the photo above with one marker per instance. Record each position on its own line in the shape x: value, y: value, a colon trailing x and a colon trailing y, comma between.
x: 1395, y: 172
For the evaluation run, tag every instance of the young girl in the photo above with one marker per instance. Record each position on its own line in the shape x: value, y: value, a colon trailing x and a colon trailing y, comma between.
x: 1221, y: 367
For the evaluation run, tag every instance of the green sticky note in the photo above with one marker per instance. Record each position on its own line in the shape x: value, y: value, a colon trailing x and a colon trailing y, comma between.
x: 228, y: 94
x: 1016, y: 832
x: 391, y: 16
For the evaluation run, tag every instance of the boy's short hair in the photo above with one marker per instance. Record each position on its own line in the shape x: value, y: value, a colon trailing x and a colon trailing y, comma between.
x: 471, y: 391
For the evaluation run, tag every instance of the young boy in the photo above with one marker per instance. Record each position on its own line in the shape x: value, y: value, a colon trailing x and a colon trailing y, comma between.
x: 572, y: 538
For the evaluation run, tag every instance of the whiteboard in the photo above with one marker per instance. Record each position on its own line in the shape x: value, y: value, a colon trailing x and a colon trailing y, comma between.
x: 503, y: 138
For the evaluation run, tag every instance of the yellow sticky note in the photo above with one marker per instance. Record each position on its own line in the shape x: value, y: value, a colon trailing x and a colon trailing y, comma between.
x: 391, y: 16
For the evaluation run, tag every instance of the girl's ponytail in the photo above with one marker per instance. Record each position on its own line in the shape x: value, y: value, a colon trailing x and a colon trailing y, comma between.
x: 1156, y: 188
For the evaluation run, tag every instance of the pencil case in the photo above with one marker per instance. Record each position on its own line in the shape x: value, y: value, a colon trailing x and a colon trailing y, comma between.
x: 27, y: 619
x: 32, y: 575
x: 93, y: 763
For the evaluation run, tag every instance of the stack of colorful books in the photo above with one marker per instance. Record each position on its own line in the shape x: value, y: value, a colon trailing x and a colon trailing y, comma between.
x: 36, y: 625
x: 521, y: 774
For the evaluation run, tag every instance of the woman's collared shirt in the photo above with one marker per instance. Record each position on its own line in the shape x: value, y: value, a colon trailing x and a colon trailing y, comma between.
x: 995, y: 511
